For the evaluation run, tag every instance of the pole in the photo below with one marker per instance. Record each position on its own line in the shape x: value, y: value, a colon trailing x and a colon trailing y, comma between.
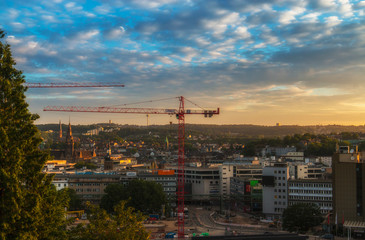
x: 180, y: 171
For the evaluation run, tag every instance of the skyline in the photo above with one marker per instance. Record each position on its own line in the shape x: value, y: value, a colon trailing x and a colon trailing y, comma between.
x: 262, y: 62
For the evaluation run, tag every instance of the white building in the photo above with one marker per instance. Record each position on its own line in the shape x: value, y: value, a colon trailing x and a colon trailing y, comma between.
x: 294, y: 156
x: 204, y: 181
x: 60, y: 181
x: 317, y: 191
x: 228, y: 170
x: 274, y: 181
x: 298, y: 171
x: 325, y: 161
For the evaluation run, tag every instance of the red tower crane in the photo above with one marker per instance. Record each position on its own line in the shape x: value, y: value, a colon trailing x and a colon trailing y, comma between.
x: 180, y: 114
x: 72, y: 84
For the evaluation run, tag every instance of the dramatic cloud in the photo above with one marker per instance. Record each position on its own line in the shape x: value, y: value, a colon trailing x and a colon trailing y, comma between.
x: 267, y: 61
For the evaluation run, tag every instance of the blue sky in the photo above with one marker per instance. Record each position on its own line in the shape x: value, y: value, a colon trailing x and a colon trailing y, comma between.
x: 262, y: 62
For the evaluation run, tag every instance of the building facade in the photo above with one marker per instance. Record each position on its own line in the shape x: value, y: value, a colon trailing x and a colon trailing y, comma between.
x: 348, y: 184
x: 316, y: 191
x: 274, y: 189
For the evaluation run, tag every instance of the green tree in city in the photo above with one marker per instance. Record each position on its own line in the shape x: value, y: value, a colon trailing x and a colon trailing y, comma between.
x: 301, y: 217
x: 30, y: 207
x: 124, y: 224
x: 88, y: 165
x: 114, y: 193
x: 144, y: 196
x: 75, y: 202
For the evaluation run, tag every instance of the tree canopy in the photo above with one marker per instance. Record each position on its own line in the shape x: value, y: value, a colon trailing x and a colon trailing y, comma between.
x: 144, y: 196
x: 301, y: 217
x: 75, y: 202
x: 124, y: 224
x: 30, y: 207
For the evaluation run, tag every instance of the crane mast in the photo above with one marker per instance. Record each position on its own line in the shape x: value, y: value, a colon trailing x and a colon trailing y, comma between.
x: 72, y: 84
x: 180, y: 169
x: 180, y: 115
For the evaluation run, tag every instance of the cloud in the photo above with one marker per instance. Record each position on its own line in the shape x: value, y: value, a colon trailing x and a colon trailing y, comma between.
x: 289, y: 16
x: 242, y: 54
x: 115, y: 33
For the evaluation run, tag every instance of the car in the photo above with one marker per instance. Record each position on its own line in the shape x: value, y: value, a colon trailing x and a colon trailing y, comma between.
x: 327, y: 236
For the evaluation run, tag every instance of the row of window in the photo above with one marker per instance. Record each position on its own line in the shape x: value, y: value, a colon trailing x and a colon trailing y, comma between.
x: 160, y: 178
x: 280, y: 184
x: 309, y: 191
x: 87, y: 190
x: 310, y: 198
x: 321, y: 205
x: 280, y: 196
x: 279, y: 190
x: 311, y: 185
x: 279, y: 210
x: 280, y: 178
x: 60, y: 184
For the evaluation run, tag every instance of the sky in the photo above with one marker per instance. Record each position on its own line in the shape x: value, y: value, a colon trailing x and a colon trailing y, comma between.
x: 261, y: 62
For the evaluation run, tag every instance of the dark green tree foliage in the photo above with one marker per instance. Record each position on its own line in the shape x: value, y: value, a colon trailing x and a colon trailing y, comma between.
x: 144, y: 196
x: 75, y: 202
x: 29, y: 205
x: 124, y: 224
x: 114, y: 194
x: 301, y: 217
x: 88, y: 165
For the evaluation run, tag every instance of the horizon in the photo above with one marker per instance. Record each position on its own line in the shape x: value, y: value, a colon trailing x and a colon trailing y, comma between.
x: 266, y: 62
x: 257, y: 125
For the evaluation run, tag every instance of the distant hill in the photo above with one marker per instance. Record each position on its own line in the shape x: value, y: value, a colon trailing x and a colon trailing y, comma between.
x: 224, y: 130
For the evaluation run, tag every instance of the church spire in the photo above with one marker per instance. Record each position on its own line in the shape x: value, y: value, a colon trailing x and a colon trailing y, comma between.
x: 60, y: 130
x: 69, y: 137
x: 70, y: 143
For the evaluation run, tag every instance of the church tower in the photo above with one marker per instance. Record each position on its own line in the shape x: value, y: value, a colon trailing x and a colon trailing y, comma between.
x: 70, y: 143
x: 60, y: 130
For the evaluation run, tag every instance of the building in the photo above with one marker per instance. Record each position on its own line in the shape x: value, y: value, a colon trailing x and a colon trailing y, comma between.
x: 298, y: 171
x: 201, y: 183
x: 60, y: 181
x: 91, y: 186
x: 166, y: 178
x: 70, y: 150
x: 348, y: 186
x: 274, y: 189
x: 247, y: 193
x: 317, y: 191
x: 315, y: 171
x: 228, y: 171
x: 293, y: 156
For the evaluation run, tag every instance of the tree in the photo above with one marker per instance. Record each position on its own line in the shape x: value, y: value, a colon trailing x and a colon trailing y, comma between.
x: 30, y: 207
x: 301, y: 217
x: 114, y: 194
x: 88, y: 165
x: 75, y: 202
x: 144, y: 196
x: 125, y: 224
